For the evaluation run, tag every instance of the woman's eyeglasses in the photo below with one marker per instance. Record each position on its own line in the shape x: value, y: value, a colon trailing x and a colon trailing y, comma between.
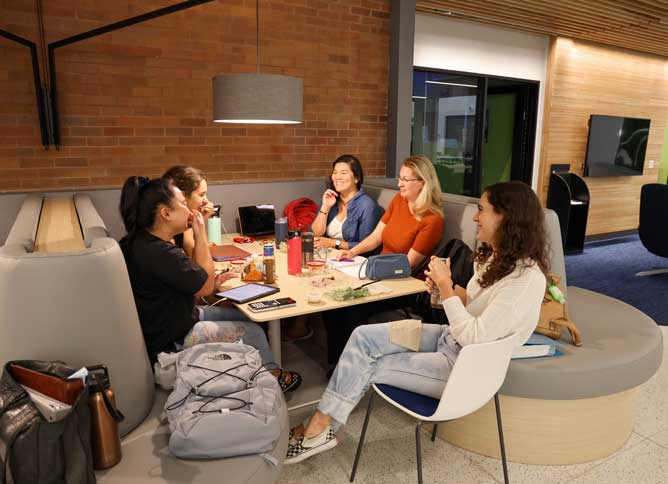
x: 405, y: 180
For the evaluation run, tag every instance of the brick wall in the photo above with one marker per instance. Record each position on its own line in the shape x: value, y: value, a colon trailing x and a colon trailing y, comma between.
x: 138, y: 100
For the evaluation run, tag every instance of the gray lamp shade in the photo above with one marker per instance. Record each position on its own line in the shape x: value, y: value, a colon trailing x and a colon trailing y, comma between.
x: 257, y: 98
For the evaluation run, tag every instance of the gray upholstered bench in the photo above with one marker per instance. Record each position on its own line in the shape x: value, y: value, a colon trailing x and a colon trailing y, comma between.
x: 77, y: 306
x: 577, y: 407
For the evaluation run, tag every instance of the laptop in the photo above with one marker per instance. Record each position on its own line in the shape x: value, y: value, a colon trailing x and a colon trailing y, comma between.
x: 257, y: 220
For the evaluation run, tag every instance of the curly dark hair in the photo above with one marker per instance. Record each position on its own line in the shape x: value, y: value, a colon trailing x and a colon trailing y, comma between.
x: 520, y: 236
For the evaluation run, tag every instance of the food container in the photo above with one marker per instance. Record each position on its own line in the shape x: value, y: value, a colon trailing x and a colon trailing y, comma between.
x: 313, y: 297
x: 316, y: 267
x: 237, y: 265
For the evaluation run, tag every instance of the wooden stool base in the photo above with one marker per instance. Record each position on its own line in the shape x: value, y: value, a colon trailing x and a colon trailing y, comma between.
x: 547, y: 432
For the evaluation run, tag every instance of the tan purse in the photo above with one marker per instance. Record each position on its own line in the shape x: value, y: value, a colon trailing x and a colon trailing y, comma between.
x: 554, y: 315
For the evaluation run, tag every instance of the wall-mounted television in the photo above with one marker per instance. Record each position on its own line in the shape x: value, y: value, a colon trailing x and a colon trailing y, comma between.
x: 616, y: 146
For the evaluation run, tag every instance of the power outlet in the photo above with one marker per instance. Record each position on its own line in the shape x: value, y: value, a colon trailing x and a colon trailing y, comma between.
x: 651, y: 164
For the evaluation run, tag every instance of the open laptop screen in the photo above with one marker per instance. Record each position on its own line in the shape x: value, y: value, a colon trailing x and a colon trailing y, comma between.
x: 257, y: 219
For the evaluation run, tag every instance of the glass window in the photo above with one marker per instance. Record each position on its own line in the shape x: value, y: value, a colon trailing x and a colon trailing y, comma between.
x: 448, y: 127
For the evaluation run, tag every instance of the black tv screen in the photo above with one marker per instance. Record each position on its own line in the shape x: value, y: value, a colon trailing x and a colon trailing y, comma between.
x: 616, y: 146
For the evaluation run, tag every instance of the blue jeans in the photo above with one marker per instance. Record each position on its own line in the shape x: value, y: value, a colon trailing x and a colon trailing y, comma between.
x: 228, y: 325
x: 370, y: 357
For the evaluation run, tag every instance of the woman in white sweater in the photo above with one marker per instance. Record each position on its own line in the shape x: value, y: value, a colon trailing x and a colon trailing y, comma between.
x: 502, y: 298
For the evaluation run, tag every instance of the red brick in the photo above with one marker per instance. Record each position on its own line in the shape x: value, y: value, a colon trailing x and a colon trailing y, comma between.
x: 118, y: 131
x: 139, y: 99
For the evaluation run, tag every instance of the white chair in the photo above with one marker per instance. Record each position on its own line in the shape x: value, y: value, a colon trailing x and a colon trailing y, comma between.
x: 477, y: 375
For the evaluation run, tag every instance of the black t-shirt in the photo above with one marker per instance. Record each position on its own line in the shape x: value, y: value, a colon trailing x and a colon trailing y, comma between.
x: 164, y: 281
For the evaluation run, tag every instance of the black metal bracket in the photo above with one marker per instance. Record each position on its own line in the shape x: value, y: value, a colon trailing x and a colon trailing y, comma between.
x: 39, y: 92
x: 47, y: 102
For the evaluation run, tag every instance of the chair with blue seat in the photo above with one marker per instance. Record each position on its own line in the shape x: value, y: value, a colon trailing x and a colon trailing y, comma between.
x: 476, y: 377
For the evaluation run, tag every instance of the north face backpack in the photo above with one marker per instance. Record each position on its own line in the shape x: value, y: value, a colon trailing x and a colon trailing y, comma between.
x: 225, y: 403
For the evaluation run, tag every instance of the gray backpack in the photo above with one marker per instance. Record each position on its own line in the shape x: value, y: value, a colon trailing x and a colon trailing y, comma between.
x: 225, y: 403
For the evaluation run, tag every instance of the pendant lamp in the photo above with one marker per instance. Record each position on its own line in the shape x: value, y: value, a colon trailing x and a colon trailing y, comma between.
x: 257, y: 98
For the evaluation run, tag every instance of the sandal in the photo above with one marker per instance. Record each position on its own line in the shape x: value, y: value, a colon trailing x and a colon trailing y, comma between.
x: 289, y: 380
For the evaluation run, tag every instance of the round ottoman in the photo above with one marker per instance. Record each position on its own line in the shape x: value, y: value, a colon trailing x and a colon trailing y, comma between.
x: 577, y: 407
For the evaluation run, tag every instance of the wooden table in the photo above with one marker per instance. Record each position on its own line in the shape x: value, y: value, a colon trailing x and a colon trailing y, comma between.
x: 297, y: 286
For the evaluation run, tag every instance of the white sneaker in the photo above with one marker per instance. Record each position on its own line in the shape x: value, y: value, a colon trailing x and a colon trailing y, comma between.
x: 303, y: 448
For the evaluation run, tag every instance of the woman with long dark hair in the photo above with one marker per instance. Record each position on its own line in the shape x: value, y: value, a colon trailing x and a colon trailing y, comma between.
x: 347, y: 214
x: 165, y: 281
x: 502, y: 298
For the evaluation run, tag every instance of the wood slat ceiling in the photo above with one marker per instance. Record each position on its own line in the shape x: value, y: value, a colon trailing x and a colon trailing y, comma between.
x: 640, y: 25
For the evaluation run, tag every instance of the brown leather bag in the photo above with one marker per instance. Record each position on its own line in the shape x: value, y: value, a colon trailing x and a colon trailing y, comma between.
x: 53, y: 386
x: 554, y: 315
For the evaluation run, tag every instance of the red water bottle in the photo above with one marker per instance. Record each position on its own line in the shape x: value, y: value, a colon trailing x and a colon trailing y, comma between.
x: 294, y: 252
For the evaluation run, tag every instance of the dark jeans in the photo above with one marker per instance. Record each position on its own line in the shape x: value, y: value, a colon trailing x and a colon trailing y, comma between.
x: 340, y: 323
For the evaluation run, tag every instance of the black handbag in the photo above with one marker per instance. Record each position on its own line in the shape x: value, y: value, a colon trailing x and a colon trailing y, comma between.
x: 33, y: 450
x: 461, y: 268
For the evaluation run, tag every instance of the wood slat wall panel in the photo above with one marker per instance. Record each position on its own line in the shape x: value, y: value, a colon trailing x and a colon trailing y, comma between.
x: 591, y: 75
x: 592, y: 79
x: 638, y: 25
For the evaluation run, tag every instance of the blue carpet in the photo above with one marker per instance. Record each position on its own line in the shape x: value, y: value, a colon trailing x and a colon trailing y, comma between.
x: 609, y: 267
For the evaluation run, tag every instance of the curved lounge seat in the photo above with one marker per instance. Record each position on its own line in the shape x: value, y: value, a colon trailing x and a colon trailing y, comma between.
x: 78, y: 307
x: 622, y: 348
x: 580, y: 406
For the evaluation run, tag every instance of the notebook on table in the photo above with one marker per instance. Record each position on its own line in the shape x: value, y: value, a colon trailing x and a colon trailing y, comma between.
x: 227, y: 252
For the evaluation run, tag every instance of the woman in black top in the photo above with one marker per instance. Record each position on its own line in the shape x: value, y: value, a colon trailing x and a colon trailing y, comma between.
x: 165, y: 281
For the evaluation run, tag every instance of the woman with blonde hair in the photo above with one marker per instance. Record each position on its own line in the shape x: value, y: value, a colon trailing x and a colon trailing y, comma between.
x: 411, y: 225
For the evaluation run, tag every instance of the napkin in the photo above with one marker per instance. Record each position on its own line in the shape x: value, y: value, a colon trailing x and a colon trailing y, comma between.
x: 406, y: 333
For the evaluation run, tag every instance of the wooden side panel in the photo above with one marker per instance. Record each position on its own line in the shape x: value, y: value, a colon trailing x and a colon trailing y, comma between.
x: 59, y: 229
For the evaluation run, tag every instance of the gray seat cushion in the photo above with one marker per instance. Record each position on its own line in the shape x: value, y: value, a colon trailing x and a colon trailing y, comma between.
x: 622, y: 348
x: 92, y: 226
x: 24, y: 229
x: 146, y: 458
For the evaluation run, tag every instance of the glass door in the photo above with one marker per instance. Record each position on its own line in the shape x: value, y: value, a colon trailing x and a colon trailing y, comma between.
x: 445, y: 124
x: 477, y: 130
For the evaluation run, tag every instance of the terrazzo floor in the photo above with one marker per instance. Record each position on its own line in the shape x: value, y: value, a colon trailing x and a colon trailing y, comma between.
x: 389, y: 451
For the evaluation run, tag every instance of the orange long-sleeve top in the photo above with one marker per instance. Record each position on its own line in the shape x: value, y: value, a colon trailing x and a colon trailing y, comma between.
x: 404, y: 232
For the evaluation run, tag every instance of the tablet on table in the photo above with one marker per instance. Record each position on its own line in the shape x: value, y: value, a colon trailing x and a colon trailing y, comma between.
x: 247, y: 292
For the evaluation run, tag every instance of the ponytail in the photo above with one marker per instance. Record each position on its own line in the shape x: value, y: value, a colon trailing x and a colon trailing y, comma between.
x: 140, y: 200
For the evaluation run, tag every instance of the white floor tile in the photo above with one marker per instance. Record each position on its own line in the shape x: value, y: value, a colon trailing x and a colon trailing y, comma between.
x: 531, y: 474
x: 660, y: 438
x: 652, y: 403
x: 645, y: 463
x: 389, y: 452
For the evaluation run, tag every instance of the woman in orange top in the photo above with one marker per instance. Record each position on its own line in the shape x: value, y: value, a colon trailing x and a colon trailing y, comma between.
x: 411, y: 225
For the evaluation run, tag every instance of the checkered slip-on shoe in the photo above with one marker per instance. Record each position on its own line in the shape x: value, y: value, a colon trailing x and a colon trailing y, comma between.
x: 305, y: 448
x: 292, y: 438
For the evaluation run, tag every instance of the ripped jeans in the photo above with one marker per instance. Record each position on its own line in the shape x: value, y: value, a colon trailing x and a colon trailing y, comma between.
x: 227, y: 325
x: 370, y: 357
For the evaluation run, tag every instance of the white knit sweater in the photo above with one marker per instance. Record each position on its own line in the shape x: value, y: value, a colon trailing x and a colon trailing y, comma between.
x: 509, y: 306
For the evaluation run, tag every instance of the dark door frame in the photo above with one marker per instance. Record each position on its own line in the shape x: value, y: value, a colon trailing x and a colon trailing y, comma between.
x: 526, y: 117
